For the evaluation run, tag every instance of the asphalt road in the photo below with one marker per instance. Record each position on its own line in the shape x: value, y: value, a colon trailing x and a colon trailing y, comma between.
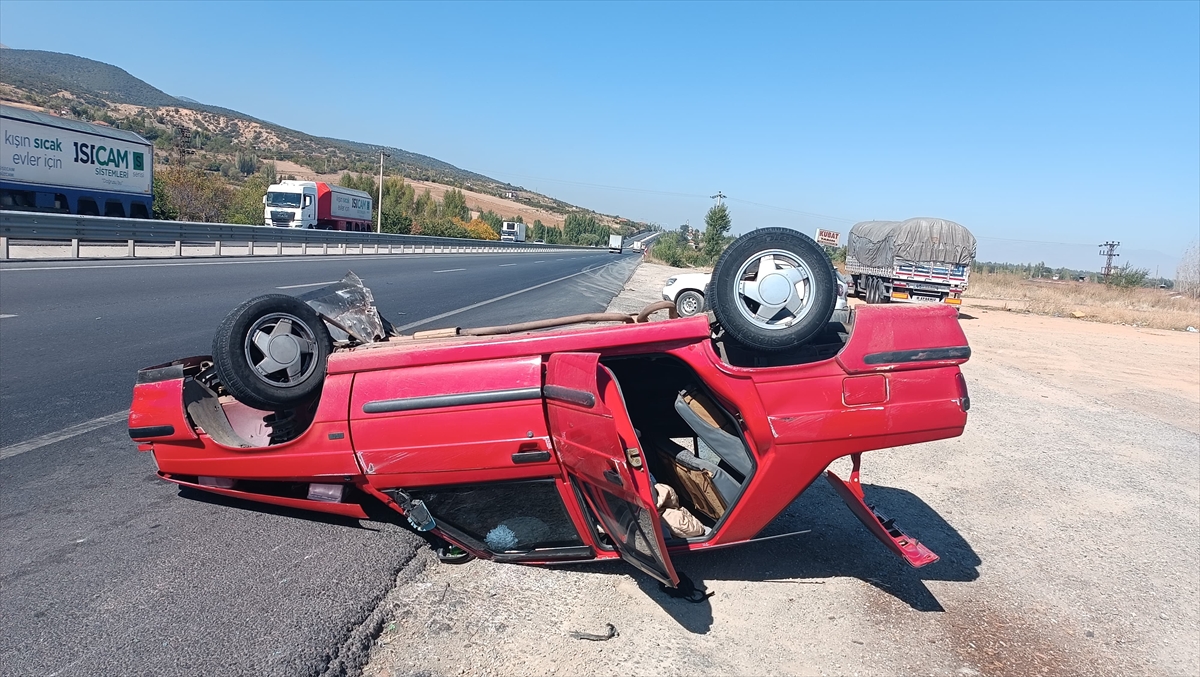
x: 104, y: 568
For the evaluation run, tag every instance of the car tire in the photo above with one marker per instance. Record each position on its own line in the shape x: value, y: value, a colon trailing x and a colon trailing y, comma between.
x: 270, y: 352
x: 689, y: 303
x: 796, y: 296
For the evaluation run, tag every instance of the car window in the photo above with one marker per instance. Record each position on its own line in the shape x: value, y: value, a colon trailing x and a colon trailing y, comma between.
x: 631, y: 526
x: 504, y: 517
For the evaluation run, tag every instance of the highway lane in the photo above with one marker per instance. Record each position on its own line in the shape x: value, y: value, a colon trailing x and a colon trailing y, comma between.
x: 104, y: 569
x: 77, y: 332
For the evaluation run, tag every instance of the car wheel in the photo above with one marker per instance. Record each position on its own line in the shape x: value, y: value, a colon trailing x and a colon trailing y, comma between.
x: 772, y: 289
x: 270, y: 352
x: 689, y: 303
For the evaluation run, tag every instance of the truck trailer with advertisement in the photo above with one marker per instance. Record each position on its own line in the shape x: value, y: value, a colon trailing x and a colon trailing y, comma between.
x: 918, y: 260
x: 316, y: 204
x: 512, y: 231
x: 53, y: 164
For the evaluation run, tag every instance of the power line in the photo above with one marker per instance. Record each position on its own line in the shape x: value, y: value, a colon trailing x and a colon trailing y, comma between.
x: 1009, y: 239
x: 793, y: 211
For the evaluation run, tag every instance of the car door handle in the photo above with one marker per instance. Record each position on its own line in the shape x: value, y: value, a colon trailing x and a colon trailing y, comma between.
x: 531, y: 456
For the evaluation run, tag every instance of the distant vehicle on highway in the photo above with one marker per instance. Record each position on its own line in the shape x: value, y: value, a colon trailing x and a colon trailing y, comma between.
x: 616, y: 243
x: 52, y: 164
x: 316, y: 204
x: 918, y: 260
x: 687, y: 291
x: 512, y: 231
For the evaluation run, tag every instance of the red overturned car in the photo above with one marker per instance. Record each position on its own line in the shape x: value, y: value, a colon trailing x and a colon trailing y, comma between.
x: 554, y: 441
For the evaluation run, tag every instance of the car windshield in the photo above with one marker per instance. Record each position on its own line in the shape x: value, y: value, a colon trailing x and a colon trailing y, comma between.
x: 283, y: 199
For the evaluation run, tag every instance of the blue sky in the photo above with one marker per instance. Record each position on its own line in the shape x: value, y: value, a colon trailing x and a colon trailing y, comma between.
x: 1044, y: 128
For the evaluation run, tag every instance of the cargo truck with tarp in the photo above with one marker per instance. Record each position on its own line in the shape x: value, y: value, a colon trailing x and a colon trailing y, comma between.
x: 918, y: 260
x: 53, y: 164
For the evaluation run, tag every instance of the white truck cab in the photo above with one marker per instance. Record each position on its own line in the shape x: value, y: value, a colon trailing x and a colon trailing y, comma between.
x: 291, y: 204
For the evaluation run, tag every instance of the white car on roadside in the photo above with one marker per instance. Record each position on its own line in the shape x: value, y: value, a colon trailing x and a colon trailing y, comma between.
x: 687, y: 292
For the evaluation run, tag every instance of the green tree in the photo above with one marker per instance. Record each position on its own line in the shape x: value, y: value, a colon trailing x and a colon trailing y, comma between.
x: 716, y: 225
x: 494, y: 220
x: 454, y: 204
x: 1127, y: 276
x: 195, y: 194
x: 247, y: 164
x: 246, y: 206
x: 163, y: 209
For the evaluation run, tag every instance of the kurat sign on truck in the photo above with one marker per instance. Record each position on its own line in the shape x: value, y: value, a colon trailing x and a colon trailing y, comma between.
x: 316, y: 204
x: 918, y: 260
x: 53, y: 164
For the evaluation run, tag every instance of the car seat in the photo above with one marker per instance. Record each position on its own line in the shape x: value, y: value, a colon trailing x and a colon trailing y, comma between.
x: 714, y: 428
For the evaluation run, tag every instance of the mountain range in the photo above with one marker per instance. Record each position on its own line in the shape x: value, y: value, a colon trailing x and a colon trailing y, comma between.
x: 100, y: 92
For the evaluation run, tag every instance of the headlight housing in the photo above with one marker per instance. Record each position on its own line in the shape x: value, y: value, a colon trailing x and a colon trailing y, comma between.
x: 670, y: 281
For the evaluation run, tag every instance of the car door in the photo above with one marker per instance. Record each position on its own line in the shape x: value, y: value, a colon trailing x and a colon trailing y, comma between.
x: 598, y: 447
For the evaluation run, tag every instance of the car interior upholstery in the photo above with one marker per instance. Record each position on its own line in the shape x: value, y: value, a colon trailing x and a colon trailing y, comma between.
x: 690, y: 442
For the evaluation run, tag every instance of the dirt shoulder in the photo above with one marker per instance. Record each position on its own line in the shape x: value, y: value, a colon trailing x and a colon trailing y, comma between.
x: 1066, y: 518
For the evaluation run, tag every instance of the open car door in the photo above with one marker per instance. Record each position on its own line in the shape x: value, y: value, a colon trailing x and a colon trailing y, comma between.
x: 597, y: 444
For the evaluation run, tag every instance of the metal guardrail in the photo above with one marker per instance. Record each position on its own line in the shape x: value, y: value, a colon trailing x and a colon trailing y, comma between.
x: 16, y: 225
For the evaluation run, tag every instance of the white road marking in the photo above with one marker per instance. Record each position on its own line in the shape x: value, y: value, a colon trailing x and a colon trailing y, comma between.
x: 64, y: 434
x: 6, y: 316
x: 310, y: 284
x: 498, y: 298
x: 507, y: 264
x: 449, y: 270
x: 539, y: 261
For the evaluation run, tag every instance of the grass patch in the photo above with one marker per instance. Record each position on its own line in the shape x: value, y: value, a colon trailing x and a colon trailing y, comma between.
x: 1139, y: 306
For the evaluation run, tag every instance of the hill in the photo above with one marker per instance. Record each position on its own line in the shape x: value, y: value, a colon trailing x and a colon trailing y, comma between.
x: 222, y: 138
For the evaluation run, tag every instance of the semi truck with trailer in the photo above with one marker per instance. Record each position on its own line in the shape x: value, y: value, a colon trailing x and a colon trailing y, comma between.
x: 616, y: 243
x: 316, y: 204
x: 918, y: 260
x: 53, y: 164
x: 512, y: 231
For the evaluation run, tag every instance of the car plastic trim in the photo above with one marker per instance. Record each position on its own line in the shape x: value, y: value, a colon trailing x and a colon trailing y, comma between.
x: 455, y: 400
x: 151, y: 431
x: 163, y: 373
x: 547, y: 554
x: 570, y: 395
x: 926, y: 355
x: 531, y: 457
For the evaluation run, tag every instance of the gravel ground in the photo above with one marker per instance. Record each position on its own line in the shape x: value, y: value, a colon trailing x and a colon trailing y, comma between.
x: 1066, y: 518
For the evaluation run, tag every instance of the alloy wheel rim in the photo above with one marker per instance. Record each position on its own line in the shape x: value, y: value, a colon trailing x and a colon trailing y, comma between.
x: 774, y: 289
x: 281, y: 350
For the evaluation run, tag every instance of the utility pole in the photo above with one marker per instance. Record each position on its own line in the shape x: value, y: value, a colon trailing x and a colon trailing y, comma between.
x: 1109, y: 251
x: 379, y: 219
x: 718, y: 197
